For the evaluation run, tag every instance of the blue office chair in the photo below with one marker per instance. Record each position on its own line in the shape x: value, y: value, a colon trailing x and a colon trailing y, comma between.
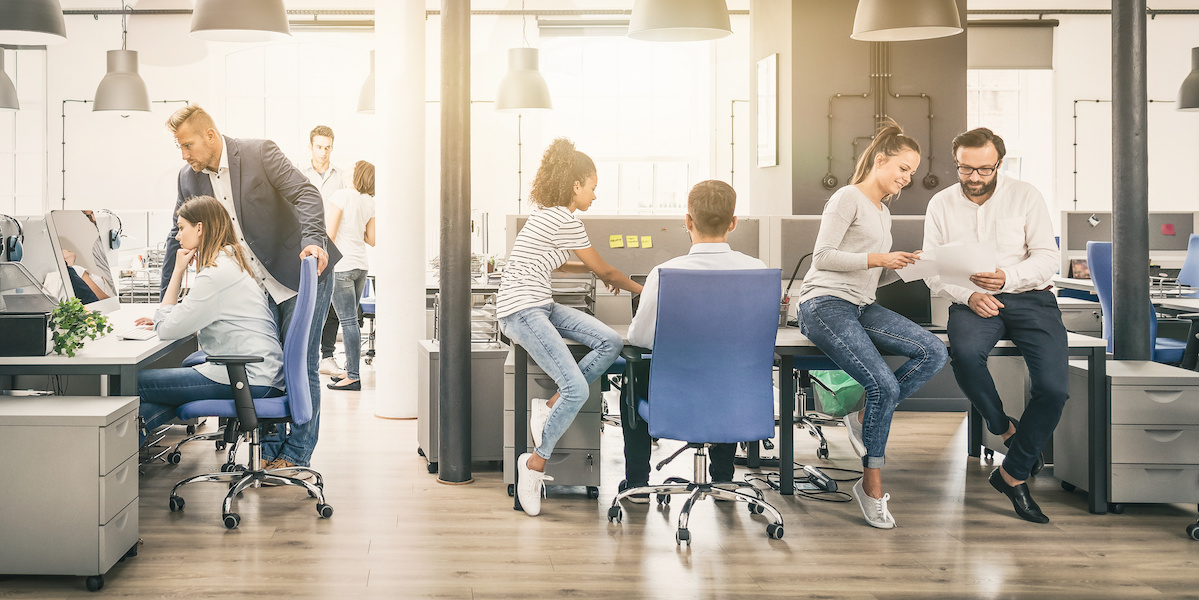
x: 1099, y: 260
x: 366, y: 308
x: 710, y: 378
x: 249, y: 413
x: 1189, y: 274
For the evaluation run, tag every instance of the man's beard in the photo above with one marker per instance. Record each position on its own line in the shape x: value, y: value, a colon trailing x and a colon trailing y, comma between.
x: 986, y: 189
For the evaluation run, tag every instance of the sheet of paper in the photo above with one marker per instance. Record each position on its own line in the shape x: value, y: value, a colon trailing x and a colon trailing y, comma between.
x: 954, y: 264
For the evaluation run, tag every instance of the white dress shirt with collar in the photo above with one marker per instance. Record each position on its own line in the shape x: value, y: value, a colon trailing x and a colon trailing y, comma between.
x: 328, y: 182
x: 707, y: 257
x: 222, y: 186
x: 1015, y: 217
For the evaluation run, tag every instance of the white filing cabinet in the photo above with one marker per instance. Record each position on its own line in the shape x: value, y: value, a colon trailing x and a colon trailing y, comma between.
x: 1081, y: 316
x: 1154, y: 433
x: 487, y: 403
x: 576, y: 458
x: 68, y: 485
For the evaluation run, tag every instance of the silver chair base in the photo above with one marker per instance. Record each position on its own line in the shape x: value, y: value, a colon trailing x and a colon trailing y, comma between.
x: 699, y: 490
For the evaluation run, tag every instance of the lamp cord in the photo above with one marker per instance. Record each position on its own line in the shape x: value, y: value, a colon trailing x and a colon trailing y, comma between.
x: 124, y: 28
x: 524, y: 32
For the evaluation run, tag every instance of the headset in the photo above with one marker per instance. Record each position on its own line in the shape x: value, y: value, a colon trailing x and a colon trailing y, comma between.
x: 12, y: 244
x: 114, y: 236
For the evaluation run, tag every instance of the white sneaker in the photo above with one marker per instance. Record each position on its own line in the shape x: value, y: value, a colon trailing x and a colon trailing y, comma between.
x: 875, y: 510
x: 539, y: 413
x: 329, y: 366
x: 854, y: 428
x: 529, y: 485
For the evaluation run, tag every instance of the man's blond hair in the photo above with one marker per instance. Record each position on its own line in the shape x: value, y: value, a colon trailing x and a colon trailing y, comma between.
x: 192, y: 113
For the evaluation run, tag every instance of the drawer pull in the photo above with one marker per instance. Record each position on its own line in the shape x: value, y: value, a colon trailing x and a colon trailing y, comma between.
x: 123, y: 474
x: 1163, y: 396
x: 545, y: 382
x: 123, y: 427
x: 1163, y: 435
x: 1163, y: 473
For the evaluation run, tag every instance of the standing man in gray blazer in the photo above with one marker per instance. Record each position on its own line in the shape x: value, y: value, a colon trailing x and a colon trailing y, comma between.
x: 279, y: 218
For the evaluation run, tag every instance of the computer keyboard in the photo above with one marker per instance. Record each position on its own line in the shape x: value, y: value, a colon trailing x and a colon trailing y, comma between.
x: 137, y: 333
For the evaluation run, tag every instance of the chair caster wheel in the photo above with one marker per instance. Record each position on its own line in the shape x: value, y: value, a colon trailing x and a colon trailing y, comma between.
x: 615, y: 515
x: 756, y: 509
x: 682, y: 535
x: 1193, y: 531
x: 94, y: 583
x: 1069, y: 487
x: 822, y: 452
x: 227, y: 468
x: 988, y: 454
x: 232, y: 520
x: 1116, y: 508
x: 431, y: 467
x: 220, y: 445
x: 174, y: 457
x: 176, y: 503
x: 663, y: 498
x: 324, y: 510
x: 775, y: 532
x: 420, y: 451
x: 511, y: 490
x: 191, y: 430
x: 592, y: 492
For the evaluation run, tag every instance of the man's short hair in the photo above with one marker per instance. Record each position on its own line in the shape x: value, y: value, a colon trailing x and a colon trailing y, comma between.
x: 320, y: 130
x: 979, y: 138
x: 711, y: 204
x: 192, y: 113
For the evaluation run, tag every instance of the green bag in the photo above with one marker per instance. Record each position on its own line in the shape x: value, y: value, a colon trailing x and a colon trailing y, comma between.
x: 837, y: 394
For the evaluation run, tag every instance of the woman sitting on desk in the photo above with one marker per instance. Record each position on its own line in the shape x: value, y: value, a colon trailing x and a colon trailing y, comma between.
x: 838, y: 312
x: 226, y: 310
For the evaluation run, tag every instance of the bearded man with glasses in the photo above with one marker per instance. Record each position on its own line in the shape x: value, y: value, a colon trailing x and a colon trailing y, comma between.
x: 1016, y: 304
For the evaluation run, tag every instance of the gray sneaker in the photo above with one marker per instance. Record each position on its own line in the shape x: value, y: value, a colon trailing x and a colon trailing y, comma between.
x: 874, y: 509
x: 854, y: 428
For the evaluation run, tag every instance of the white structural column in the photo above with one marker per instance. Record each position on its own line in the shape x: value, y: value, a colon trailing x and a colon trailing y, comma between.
x: 400, y: 206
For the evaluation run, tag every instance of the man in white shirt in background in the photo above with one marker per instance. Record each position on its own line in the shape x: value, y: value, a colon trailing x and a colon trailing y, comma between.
x: 709, y: 221
x: 328, y: 179
x: 1017, y: 305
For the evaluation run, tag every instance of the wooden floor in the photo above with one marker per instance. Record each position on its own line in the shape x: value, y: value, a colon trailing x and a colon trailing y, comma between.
x: 397, y: 533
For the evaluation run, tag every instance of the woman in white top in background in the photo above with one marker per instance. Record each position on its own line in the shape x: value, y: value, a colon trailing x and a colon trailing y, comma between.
x: 565, y: 182
x: 351, y: 224
x: 224, y: 307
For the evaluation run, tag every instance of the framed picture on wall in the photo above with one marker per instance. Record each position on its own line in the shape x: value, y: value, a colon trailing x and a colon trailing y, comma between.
x: 768, y: 111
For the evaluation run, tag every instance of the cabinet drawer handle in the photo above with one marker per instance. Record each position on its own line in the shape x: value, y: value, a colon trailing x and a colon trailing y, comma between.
x: 123, y: 427
x: 1163, y: 435
x: 123, y: 475
x: 1163, y: 473
x: 1163, y: 396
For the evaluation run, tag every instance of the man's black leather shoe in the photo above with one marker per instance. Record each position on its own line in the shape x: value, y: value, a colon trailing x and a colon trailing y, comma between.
x: 1036, y: 466
x: 1021, y: 500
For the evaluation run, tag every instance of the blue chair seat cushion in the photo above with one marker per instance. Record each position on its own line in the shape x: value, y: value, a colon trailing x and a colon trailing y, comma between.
x: 1167, y: 350
x: 267, y: 408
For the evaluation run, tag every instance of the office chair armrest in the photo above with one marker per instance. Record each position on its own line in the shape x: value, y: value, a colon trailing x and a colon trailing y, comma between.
x: 233, y: 359
x: 1190, y: 356
x: 635, y: 353
x: 239, y: 381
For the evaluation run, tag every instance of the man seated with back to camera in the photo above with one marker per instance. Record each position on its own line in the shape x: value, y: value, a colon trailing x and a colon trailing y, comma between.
x: 709, y: 221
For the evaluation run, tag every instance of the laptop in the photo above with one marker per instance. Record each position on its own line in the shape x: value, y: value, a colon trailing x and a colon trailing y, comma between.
x: 636, y: 298
x: 911, y: 299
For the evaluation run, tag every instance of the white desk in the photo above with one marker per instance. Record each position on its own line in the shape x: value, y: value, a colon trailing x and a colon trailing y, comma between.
x: 1070, y: 283
x: 118, y: 359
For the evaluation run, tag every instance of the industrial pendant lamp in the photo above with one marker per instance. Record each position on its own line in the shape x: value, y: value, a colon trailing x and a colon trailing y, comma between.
x: 523, y: 88
x: 366, y: 97
x: 905, y: 20
x: 8, y: 92
x: 122, y: 89
x: 679, y: 20
x: 240, y: 20
x: 31, y: 22
x: 1188, y: 93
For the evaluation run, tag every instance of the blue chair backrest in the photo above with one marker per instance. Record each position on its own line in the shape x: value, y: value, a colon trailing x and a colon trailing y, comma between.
x: 1099, y: 261
x: 711, y: 376
x: 1189, y: 275
x: 295, y: 345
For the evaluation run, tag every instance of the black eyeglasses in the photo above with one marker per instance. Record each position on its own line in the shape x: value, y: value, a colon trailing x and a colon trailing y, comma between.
x: 983, y: 171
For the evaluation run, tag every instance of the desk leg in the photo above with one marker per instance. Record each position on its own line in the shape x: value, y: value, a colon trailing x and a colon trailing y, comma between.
x: 974, y: 432
x: 1099, y: 428
x: 520, y: 418
x: 786, y: 425
x: 125, y: 383
x: 753, y: 454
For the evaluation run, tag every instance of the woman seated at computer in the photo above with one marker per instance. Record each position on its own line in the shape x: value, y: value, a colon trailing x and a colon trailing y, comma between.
x: 839, y: 314
x: 224, y: 307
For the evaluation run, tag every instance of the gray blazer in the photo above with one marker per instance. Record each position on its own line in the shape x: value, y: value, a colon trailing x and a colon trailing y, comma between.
x: 280, y: 211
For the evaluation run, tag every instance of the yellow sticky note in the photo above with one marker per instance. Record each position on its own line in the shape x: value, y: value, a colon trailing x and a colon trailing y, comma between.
x: 616, y: 241
x: 647, y: 241
x: 631, y: 241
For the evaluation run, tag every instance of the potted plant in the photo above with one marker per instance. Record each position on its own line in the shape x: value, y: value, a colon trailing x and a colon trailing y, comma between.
x: 71, y: 323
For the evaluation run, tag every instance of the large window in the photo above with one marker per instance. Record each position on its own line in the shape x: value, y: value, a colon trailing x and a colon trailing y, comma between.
x: 23, y: 136
x: 1018, y: 106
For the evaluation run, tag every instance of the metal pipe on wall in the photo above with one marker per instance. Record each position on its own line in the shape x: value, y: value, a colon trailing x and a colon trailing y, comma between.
x: 454, y: 325
x: 1130, y: 184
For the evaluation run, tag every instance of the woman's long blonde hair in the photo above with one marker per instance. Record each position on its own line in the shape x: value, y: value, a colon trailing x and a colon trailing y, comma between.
x: 889, y: 141
x: 216, y: 234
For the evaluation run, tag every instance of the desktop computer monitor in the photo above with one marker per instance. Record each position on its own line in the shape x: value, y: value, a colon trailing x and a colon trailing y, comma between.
x: 39, y: 258
x: 77, y: 238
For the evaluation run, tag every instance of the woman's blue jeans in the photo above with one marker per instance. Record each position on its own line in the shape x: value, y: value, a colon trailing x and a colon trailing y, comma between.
x: 347, y: 293
x: 855, y: 337
x: 163, y: 391
x: 540, y: 330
